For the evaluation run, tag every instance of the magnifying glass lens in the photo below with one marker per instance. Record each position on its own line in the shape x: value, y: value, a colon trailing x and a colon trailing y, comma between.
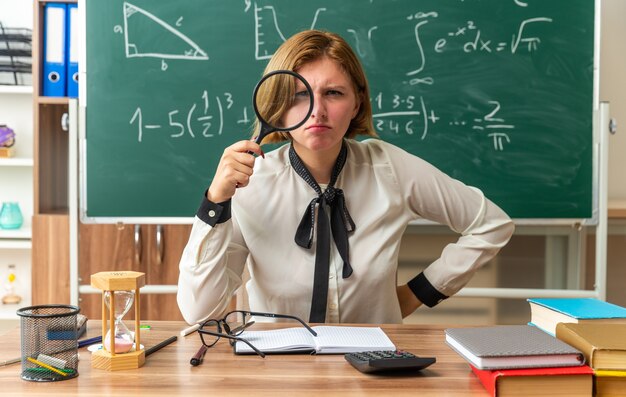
x: 283, y: 101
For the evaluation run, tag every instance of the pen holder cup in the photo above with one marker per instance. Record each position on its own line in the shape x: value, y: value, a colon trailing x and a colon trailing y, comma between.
x: 49, y: 342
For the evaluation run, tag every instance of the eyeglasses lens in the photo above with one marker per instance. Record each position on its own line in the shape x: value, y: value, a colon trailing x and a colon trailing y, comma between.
x: 235, y: 322
x: 210, y: 326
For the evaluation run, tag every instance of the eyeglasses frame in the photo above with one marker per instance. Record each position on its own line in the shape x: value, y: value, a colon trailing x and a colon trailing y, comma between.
x: 233, y: 334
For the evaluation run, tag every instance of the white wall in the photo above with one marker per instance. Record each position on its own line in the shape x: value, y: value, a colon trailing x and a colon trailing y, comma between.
x: 613, y: 89
x: 16, y: 13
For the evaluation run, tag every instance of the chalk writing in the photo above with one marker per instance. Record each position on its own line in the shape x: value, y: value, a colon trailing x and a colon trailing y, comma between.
x: 396, y: 113
x: 203, y: 121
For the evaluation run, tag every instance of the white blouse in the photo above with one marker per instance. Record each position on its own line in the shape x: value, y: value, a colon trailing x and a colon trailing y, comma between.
x: 385, y: 188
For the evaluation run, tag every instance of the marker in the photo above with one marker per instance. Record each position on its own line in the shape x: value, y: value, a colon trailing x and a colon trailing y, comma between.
x: 189, y: 330
x: 199, y: 356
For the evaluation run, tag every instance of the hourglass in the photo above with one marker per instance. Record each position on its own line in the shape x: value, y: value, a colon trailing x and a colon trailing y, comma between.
x: 124, y: 339
x: 120, y: 349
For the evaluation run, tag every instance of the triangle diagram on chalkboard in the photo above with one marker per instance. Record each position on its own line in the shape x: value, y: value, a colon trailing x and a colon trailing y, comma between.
x: 146, y: 35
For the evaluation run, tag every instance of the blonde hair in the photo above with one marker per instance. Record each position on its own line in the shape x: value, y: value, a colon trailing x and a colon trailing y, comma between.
x: 306, y: 47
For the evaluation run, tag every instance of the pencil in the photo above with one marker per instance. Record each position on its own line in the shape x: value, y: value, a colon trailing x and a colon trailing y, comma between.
x: 11, y: 361
x: 81, y: 343
x: 161, y: 345
x: 46, y: 366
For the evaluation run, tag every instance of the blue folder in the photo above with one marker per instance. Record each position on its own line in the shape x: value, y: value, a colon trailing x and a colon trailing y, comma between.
x: 54, y: 58
x: 72, y: 50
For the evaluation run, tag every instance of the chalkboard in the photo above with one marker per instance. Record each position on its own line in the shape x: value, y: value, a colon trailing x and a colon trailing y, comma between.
x: 496, y: 93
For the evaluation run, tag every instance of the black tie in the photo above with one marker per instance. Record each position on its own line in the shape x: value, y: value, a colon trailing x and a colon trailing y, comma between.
x: 340, y: 223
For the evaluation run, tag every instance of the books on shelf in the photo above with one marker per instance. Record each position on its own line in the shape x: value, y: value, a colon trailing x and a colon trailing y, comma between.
x: 511, y: 346
x: 329, y: 340
x: 560, y: 381
x: 546, y: 313
x: 604, y: 345
x: 609, y: 383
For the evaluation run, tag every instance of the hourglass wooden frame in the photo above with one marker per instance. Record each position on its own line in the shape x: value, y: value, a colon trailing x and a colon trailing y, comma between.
x: 106, y: 358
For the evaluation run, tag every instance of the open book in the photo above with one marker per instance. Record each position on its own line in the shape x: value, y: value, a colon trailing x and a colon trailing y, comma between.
x: 329, y: 340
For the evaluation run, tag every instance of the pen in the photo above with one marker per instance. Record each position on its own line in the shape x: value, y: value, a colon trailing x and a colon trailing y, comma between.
x: 197, y: 358
x: 90, y: 341
x: 189, y: 330
x: 161, y: 345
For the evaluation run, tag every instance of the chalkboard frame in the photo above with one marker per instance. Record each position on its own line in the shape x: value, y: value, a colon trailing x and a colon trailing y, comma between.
x: 83, y: 201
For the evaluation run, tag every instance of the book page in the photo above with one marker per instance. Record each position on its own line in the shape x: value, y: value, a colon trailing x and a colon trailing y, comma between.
x: 332, y: 339
x: 286, y: 339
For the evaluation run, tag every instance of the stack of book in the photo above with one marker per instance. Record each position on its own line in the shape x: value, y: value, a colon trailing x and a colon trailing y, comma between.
x: 571, y: 347
x: 521, y: 360
x: 596, y: 328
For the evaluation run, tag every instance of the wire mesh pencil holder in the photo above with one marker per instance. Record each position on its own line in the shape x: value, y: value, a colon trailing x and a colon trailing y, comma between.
x: 49, y: 342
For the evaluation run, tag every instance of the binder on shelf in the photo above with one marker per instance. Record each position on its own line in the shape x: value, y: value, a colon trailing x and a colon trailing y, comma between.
x: 72, y: 50
x: 54, y: 64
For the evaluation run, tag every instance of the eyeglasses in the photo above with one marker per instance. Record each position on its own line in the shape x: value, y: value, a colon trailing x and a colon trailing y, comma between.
x: 233, y: 324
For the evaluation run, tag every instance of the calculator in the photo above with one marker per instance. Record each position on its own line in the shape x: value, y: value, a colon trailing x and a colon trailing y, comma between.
x: 388, y: 361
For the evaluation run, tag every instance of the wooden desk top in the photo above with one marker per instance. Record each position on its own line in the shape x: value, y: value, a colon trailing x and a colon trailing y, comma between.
x: 167, y: 372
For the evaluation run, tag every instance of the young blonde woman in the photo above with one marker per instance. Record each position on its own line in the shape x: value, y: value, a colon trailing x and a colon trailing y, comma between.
x: 318, y: 221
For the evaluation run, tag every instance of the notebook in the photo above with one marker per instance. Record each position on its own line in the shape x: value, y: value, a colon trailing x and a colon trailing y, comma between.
x: 329, y: 340
x: 511, y: 346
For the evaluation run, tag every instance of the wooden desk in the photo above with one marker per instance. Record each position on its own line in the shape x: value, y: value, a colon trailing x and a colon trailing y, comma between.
x: 167, y: 372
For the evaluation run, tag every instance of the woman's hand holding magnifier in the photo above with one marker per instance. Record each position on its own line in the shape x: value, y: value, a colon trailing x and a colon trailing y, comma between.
x: 234, y: 170
x: 283, y: 101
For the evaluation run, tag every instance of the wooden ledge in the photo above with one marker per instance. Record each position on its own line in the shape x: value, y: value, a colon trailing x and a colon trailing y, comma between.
x: 617, y: 209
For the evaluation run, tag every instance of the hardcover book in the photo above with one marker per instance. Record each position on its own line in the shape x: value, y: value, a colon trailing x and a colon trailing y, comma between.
x: 609, y: 383
x: 511, y: 346
x: 604, y: 345
x: 546, y: 313
x: 562, y: 381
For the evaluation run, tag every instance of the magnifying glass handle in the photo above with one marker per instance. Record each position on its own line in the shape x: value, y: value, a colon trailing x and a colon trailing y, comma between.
x: 256, y: 140
x: 266, y: 129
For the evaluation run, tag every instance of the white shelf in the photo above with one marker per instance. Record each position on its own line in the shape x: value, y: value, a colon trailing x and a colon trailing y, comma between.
x: 16, y: 173
x: 16, y: 89
x: 24, y: 233
x: 8, y: 312
x: 16, y: 244
x: 16, y: 162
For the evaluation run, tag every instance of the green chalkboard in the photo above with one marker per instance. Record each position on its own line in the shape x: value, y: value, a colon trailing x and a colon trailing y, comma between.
x: 496, y: 93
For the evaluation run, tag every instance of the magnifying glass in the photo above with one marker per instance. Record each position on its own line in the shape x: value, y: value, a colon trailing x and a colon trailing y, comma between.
x: 283, y: 101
